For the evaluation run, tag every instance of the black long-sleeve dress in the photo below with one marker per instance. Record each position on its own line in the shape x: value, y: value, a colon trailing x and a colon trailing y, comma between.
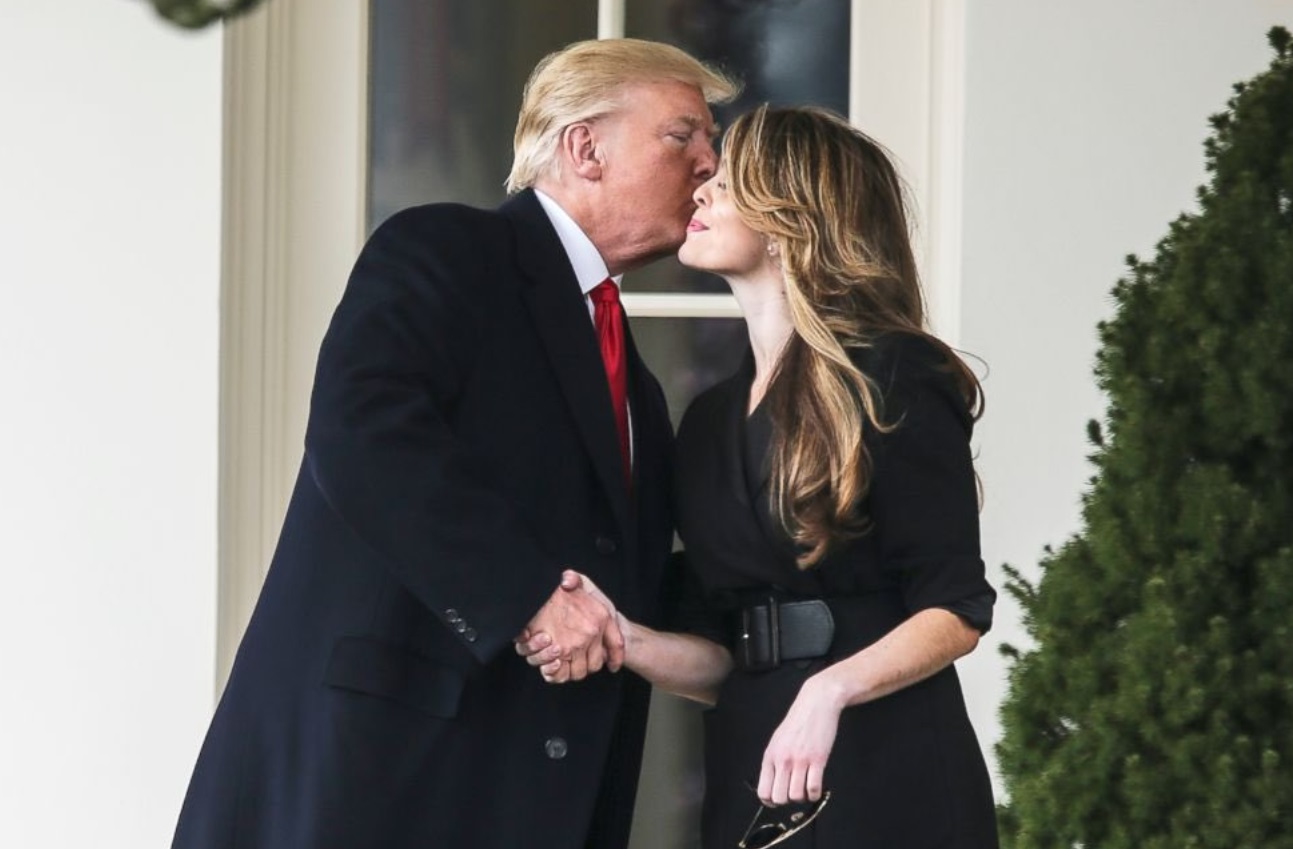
x: 906, y: 770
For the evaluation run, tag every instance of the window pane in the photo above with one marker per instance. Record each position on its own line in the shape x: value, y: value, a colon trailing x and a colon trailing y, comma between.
x: 667, y: 815
x: 445, y: 86
x: 785, y: 51
x: 689, y: 355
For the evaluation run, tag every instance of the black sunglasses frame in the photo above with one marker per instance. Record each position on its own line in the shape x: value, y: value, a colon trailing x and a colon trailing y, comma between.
x: 799, y: 820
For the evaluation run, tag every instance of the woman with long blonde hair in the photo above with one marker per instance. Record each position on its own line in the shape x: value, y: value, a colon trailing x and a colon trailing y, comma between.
x: 828, y: 503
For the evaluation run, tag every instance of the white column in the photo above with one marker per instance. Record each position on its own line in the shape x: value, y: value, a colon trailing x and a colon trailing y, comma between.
x: 610, y: 18
x: 293, y: 221
x: 906, y: 90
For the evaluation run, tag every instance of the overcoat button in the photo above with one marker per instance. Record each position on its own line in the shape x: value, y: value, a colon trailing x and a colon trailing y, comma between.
x: 469, y: 635
x: 452, y: 615
x: 556, y: 748
x: 605, y: 545
x: 459, y: 626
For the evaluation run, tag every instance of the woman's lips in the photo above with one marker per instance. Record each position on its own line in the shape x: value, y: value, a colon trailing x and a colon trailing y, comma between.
x: 694, y: 226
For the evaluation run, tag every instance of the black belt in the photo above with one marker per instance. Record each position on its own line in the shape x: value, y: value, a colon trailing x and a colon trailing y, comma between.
x: 771, y: 632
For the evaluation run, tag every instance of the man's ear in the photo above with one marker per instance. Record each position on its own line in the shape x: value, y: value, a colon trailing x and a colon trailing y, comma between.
x: 580, y: 151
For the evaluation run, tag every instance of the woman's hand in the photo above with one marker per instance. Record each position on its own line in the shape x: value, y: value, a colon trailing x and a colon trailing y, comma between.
x: 795, y: 760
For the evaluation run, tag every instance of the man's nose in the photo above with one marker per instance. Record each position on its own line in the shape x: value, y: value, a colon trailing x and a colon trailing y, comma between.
x: 707, y: 164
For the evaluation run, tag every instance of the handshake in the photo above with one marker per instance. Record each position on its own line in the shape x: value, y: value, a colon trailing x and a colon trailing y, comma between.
x: 576, y: 632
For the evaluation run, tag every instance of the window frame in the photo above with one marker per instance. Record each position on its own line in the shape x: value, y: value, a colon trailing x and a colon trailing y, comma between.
x: 295, y: 124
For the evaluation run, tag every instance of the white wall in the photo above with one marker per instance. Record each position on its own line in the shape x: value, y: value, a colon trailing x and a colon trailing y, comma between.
x: 1084, y: 131
x: 109, y: 234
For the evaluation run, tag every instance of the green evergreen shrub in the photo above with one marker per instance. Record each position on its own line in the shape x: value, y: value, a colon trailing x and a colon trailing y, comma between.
x: 195, y: 14
x: 1154, y: 708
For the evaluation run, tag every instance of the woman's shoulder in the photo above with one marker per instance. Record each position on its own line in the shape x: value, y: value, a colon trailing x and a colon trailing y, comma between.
x: 715, y: 401
x: 906, y: 366
x: 710, y: 405
x: 899, y: 356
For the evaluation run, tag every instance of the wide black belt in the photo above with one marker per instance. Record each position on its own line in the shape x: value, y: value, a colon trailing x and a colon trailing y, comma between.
x: 767, y: 634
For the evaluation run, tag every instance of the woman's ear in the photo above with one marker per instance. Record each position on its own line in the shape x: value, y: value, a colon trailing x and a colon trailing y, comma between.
x: 579, y: 151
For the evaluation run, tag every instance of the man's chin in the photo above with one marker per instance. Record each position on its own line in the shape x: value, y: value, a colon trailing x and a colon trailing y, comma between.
x: 658, y: 249
x: 665, y: 249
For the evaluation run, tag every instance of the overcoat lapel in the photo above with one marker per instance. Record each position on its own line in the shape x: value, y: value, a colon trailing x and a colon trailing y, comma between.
x: 561, y: 317
x: 648, y: 421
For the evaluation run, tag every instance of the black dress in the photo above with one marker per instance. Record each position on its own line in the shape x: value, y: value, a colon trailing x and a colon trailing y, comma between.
x: 906, y: 770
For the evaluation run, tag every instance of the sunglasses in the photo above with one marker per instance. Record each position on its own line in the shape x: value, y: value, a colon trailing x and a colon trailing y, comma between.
x: 771, y: 826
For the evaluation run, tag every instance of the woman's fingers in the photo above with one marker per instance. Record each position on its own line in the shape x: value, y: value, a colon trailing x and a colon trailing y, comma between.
x: 814, y: 781
x: 789, y: 780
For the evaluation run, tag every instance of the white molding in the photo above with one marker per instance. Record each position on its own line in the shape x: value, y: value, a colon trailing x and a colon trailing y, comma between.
x: 906, y: 88
x: 250, y: 372
x: 945, y: 195
x: 294, y: 127
x: 610, y: 18
x: 679, y: 305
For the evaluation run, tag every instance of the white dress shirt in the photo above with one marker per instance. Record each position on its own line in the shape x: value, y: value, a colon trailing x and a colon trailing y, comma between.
x: 590, y: 268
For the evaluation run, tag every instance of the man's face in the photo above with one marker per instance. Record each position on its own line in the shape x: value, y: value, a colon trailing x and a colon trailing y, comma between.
x: 657, y: 150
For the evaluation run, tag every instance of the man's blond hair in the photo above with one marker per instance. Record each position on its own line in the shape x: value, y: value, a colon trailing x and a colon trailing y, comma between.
x: 585, y: 81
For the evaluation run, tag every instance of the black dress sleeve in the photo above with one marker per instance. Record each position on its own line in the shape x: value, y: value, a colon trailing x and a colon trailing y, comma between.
x: 924, y: 495
x: 688, y: 610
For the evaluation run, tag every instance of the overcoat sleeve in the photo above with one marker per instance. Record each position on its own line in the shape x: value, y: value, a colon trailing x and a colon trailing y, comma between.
x: 378, y: 445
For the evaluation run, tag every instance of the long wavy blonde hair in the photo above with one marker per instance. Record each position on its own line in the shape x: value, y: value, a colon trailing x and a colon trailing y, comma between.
x: 830, y: 200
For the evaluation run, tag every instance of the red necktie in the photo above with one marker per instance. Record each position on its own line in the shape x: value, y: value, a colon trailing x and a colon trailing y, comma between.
x: 608, y: 315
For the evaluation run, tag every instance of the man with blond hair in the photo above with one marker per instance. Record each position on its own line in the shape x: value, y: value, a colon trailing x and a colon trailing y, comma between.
x: 480, y: 423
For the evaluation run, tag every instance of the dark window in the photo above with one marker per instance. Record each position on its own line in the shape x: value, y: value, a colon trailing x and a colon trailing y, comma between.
x: 445, y: 86
x: 787, y: 52
x: 689, y: 355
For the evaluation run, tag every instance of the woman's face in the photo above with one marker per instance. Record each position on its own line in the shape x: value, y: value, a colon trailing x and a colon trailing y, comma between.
x: 717, y: 239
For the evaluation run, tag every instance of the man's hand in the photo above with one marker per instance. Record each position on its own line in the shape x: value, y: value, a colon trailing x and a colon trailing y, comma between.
x: 574, y: 634
x: 614, y: 640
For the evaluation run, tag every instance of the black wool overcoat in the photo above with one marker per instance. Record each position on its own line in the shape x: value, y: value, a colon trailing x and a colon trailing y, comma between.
x: 460, y: 452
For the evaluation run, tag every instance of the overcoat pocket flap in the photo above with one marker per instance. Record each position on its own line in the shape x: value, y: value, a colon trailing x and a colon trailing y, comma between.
x: 378, y: 668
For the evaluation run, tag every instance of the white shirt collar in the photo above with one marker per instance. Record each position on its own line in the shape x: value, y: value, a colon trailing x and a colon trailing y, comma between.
x: 590, y: 268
